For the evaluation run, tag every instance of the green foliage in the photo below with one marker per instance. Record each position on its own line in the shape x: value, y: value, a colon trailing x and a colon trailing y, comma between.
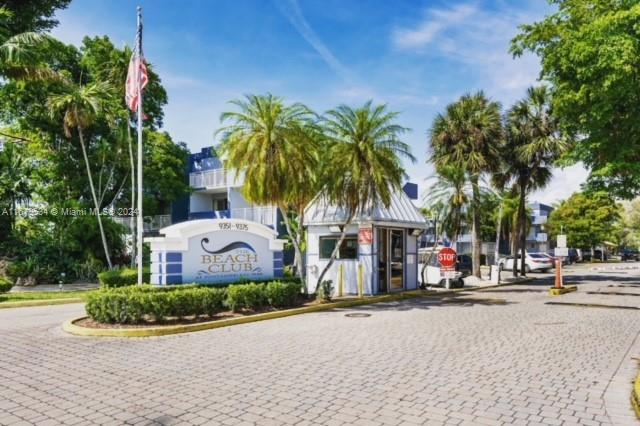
x: 590, y: 50
x: 325, y: 291
x: 5, y: 285
x: 165, y: 172
x: 468, y: 137
x: 588, y: 219
x: 122, y: 277
x: 246, y: 296
x: 280, y: 295
x: 132, y: 305
x: 135, y: 304
x: 32, y: 15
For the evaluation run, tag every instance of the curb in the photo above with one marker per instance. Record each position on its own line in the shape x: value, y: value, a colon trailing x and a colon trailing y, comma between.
x: 635, y: 396
x: 71, y: 327
x: 42, y: 302
x: 563, y: 290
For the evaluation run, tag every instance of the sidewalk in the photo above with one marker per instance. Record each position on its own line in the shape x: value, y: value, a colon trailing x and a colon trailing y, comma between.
x: 46, y: 288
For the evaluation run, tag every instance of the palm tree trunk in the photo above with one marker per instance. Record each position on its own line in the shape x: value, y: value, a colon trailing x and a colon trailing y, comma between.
x: 133, y: 197
x: 296, y: 246
x: 334, y: 253
x: 522, y: 218
x: 95, y: 198
x: 496, y: 252
x: 475, y: 228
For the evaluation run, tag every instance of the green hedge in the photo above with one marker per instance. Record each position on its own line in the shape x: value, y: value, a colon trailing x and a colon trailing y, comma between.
x: 135, y: 304
x: 122, y: 277
x: 5, y: 285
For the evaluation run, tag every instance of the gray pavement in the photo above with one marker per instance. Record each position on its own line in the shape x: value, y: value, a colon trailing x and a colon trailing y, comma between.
x: 463, y: 360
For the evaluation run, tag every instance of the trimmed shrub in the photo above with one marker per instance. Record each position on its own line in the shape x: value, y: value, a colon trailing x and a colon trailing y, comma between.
x: 122, y: 277
x: 246, y: 296
x: 5, y: 285
x: 282, y: 295
x: 132, y: 305
x: 135, y: 304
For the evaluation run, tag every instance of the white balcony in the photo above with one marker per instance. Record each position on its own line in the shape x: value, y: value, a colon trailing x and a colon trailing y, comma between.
x: 264, y: 215
x: 150, y: 223
x: 215, y: 179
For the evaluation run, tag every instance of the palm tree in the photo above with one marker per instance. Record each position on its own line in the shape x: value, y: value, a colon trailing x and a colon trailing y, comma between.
x: 364, y: 162
x: 533, y: 145
x: 275, y: 146
x: 451, y: 191
x: 80, y: 106
x: 468, y: 136
x: 15, y: 170
x: 20, y: 53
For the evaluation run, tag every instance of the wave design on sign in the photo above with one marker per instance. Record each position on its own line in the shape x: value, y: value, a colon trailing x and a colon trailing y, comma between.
x: 228, y: 247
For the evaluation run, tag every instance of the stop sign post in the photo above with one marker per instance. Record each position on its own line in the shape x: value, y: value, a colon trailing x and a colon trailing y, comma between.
x: 447, y: 258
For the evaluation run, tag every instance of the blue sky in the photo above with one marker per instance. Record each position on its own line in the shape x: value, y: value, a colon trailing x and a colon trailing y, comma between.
x: 416, y: 56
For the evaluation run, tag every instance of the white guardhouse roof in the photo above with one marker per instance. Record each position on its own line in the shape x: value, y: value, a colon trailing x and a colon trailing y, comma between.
x: 401, y: 212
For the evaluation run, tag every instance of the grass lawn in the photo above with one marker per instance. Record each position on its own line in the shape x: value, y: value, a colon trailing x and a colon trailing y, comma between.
x: 43, y: 295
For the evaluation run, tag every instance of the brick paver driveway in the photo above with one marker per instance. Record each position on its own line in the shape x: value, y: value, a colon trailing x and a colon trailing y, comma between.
x: 465, y: 361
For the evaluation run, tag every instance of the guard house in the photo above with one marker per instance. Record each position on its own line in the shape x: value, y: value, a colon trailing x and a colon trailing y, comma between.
x: 381, y: 245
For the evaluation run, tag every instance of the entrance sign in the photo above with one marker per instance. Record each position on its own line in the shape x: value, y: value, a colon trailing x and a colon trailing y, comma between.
x: 447, y: 257
x: 214, y: 251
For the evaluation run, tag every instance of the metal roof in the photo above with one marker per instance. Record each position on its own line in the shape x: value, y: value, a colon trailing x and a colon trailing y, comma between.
x: 400, y: 211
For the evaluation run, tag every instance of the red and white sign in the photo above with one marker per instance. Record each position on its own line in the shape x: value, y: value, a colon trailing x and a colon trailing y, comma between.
x: 447, y: 258
x: 365, y: 235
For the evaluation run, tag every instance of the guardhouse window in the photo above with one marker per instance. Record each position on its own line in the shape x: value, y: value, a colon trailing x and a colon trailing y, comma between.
x: 348, y: 249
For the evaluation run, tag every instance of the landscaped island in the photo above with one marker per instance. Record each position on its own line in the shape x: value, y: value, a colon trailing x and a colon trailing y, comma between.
x: 186, y: 304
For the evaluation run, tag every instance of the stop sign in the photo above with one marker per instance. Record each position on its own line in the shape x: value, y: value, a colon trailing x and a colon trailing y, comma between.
x: 447, y: 257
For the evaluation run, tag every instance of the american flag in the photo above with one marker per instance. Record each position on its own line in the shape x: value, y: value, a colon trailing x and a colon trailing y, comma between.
x: 137, y: 77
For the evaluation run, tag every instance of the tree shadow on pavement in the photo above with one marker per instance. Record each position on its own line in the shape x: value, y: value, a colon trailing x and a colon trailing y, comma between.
x: 428, y: 303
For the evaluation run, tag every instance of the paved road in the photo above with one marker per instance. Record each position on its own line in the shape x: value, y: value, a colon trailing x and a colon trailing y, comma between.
x: 459, y: 361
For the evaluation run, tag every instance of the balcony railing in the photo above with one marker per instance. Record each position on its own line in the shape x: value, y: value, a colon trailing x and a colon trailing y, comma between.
x: 151, y: 223
x: 215, y: 214
x: 215, y: 179
x: 263, y: 215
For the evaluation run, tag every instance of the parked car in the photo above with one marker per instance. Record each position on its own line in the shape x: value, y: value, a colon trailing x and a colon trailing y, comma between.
x: 629, y: 254
x: 550, y: 255
x: 533, y: 262
x: 464, y: 265
x: 433, y: 276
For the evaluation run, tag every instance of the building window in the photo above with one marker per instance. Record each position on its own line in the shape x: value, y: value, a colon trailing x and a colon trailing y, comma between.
x: 348, y: 249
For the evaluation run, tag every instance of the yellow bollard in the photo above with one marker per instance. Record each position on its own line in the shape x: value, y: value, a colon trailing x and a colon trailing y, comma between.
x: 340, y: 280
x: 360, y: 280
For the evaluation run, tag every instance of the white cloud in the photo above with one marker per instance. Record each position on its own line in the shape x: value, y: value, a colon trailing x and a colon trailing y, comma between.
x: 479, y: 39
x: 297, y: 19
x: 436, y: 21
x: 564, y: 183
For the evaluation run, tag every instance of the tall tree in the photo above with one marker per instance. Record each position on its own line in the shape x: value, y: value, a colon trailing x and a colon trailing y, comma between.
x: 15, y: 171
x: 364, y: 162
x: 587, y: 218
x: 451, y: 191
x: 589, y: 51
x: 533, y: 145
x: 79, y: 106
x: 275, y: 146
x: 468, y: 136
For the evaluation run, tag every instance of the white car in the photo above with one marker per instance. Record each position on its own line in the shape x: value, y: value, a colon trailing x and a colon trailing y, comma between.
x: 533, y: 262
x: 433, y: 276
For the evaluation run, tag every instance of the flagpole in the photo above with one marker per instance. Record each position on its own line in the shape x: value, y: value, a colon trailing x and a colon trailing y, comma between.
x: 140, y: 115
